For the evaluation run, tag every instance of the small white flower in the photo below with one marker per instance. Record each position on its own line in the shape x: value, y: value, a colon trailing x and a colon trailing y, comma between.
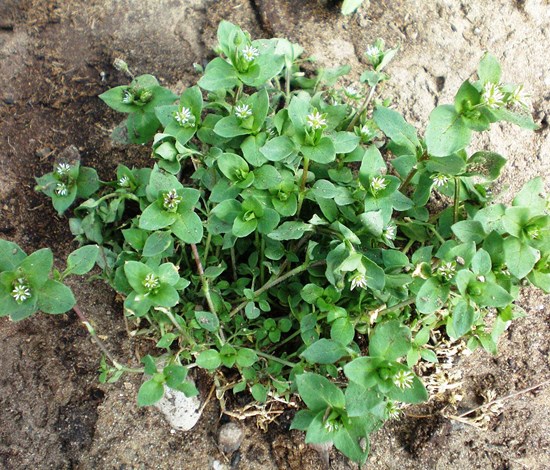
x: 21, y: 291
x: 403, y: 379
x: 372, y: 51
x: 183, y: 116
x: 250, y: 53
x: 171, y: 200
x: 61, y: 189
x: 316, y: 120
x: 519, y: 97
x: 358, y: 280
x: 365, y: 131
x: 124, y: 182
x: 534, y: 233
x: 390, y: 232
x: 151, y: 281
x: 127, y: 97
x: 392, y: 411
x: 352, y: 92
x: 492, y: 96
x: 440, y: 180
x: 378, y: 183
x: 447, y: 270
x: 242, y: 111
x: 331, y: 426
x: 62, y: 169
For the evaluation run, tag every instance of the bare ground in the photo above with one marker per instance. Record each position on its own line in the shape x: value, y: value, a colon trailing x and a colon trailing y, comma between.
x: 55, y: 58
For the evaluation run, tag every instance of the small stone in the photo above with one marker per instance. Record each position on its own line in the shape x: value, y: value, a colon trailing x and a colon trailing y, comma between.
x: 230, y: 437
x: 180, y: 411
x: 477, y: 31
x: 43, y: 152
x: 9, y: 99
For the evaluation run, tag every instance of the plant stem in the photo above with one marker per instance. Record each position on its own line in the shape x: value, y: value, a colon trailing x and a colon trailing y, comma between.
x: 99, y: 343
x: 233, y: 263
x: 303, y: 181
x: 286, y: 340
x: 204, y: 282
x: 287, y: 85
x: 272, y: 283
x: 436, y: 233
x: 276, y: 359
x: 362, y: 109
x: 456, y: 200
x: 184, y: 333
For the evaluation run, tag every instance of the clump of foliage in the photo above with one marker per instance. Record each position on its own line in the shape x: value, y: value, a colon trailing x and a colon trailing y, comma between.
x: 287, y: 235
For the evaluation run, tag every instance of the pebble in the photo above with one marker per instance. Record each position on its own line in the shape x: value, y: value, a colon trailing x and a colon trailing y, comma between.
x: 8, y: 99
x: 43, y: 152
x: 230, y: 437
x: 181, y: 412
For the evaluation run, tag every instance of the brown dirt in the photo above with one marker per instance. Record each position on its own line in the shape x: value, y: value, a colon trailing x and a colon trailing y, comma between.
x: 55, y: 59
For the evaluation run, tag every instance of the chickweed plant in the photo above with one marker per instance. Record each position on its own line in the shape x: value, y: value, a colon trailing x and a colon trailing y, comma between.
x: 297, y: 238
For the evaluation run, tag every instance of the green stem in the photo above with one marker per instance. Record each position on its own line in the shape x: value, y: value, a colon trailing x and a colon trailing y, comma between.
x: 233, y: 263
x: 408, y: 246
x: 436, y: 233
x: 272, y: 283
x: 207, y: 246
x: 303, y: 181
x: 276, y: 359
x: 286, y: 340
x: 362, y: 109
x: 204, y: 282
x: 188, y: 339
x: 262, y: 257
x: 287, y: 85
x: 99, y: 343
x: 456, y: 200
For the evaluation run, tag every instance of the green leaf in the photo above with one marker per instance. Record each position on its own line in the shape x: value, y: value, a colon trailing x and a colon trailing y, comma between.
x: 207, y: 320
x: 246, y: 357
x: 417, y: 393
x: 489, y: 69
x: 446, y: 132
x: 373, y: 222
x: 37, y: 266
x: 82, y: 260
x: 259, y: 392
x: 164, y: 296
x: 54, y: 297
x: 520, y: 257
x: 157, y: 243
x: 10, y: 255
x: 522, y: 120
x: 486, y: 164
x: 469, y: 231
x: 209, y: 359
x: 372, y: 165
x: 390, y: 340
x: 156, y: 218
x: 267, y: 177
x: 219, y: 75
x: 481, y: 263
x: 431, y: 296
x: 324, y: 351
x: 396, y: 128
x: 142, y: 126
x: 136, y: 273
x: 230, y: 126
x: 342, y: 331
x: 278, y: 148
x: 323, y: 152
x: 290, y: 231
x: 363, y: 371
x: 232, y: 166
x: 345, y: 142
x: 87, y: 182
x: 188, y: 228
x: 352, y: 443
x: 361, y: 401
x: 319, y: 393
x: 150, y: 393
x: 324, y: 189
x: 462, y: 319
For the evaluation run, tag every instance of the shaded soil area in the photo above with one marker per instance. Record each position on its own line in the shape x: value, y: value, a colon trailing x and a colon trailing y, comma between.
x: 55, y: 58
